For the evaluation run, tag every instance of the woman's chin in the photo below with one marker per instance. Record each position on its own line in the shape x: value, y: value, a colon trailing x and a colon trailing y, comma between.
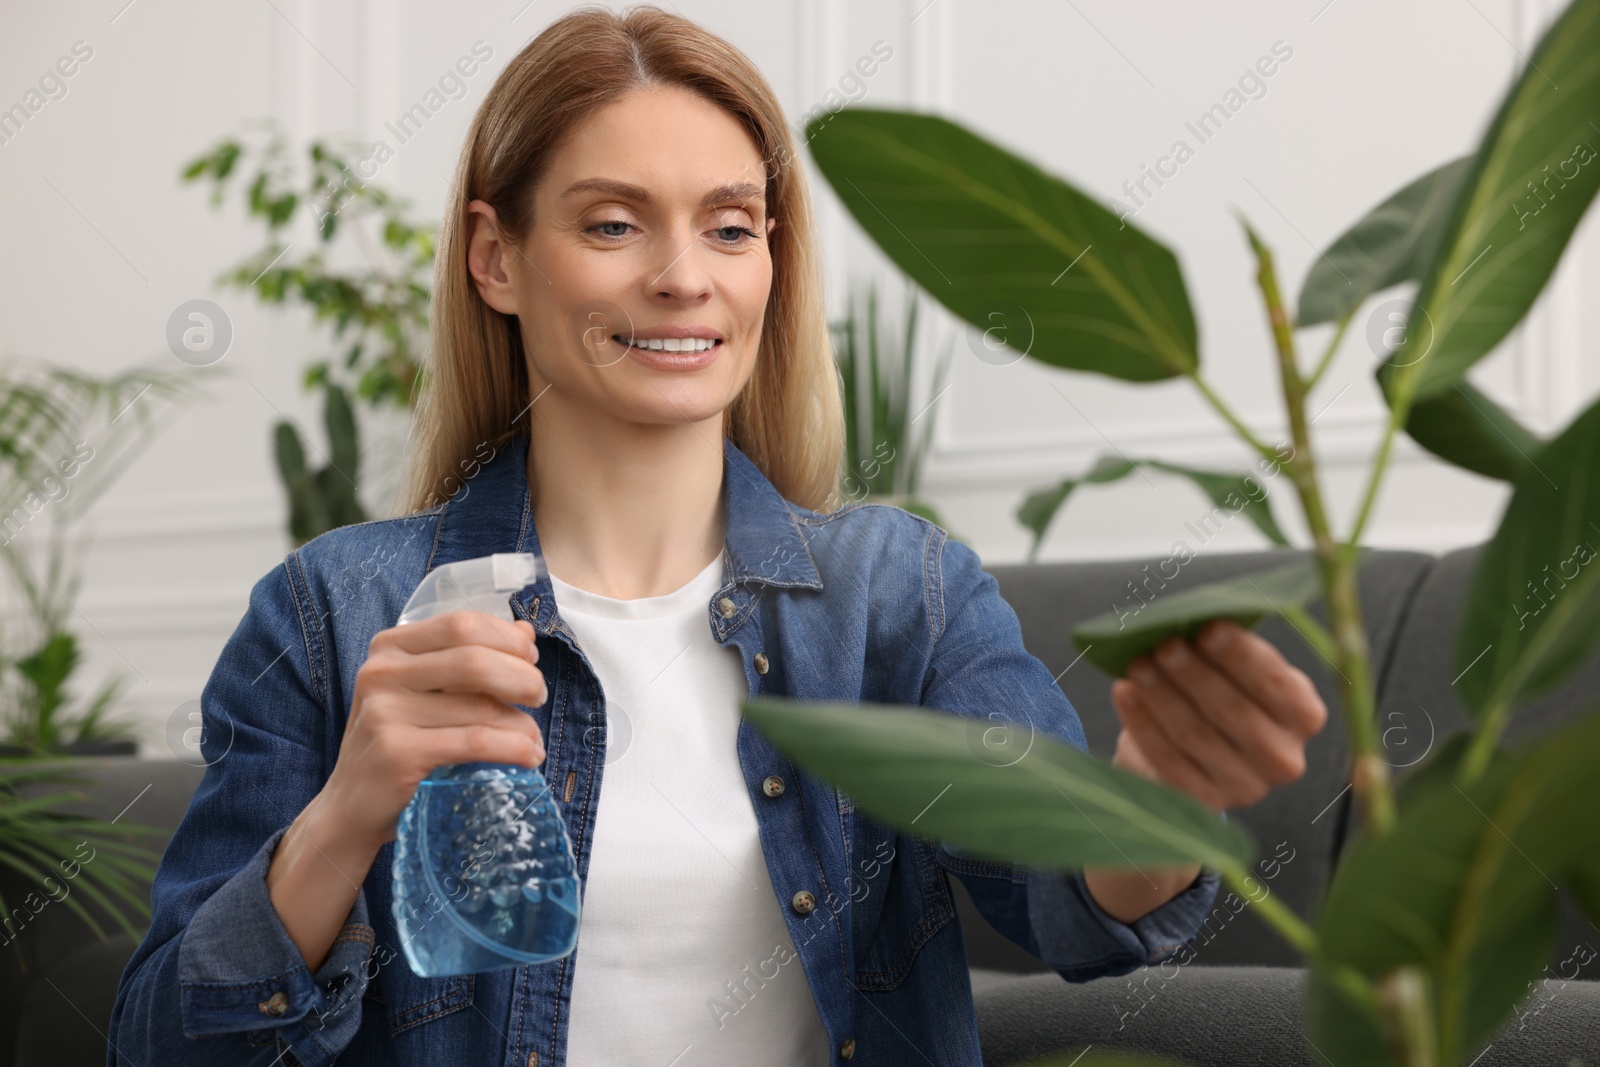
x: 671, y: 403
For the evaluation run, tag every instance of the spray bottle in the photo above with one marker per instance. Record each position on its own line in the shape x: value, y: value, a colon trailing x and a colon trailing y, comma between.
x: 484, y: 875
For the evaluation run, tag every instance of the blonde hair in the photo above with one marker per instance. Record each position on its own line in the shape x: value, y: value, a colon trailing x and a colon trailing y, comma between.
x: 788, y: 419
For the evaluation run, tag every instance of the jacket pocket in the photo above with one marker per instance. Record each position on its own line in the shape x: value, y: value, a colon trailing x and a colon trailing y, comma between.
x: 410, y: 1001
x: 913, y: 904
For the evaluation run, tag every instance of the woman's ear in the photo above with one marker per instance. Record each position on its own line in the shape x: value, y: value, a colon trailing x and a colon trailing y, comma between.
x: 771, y: 222
x: 487, y: 256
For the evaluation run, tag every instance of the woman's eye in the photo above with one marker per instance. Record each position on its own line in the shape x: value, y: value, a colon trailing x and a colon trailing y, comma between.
x: 729, y: 234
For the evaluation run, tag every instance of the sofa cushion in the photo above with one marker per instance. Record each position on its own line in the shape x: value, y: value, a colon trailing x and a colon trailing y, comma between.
x: 1232, y: 1017
x: 66, y: 1011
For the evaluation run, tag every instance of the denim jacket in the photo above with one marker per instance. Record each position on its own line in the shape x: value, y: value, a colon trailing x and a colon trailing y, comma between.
x: 867, y: 603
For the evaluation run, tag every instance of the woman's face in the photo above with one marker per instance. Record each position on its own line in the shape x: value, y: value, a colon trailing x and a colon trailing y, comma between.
x: 651, y: 223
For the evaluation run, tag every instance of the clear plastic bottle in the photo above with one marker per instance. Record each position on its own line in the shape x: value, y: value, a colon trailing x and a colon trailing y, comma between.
x: 484, y: 875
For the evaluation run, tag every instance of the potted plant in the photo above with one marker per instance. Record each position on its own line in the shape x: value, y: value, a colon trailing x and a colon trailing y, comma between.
x: 65, y: 437
x: 1439, y: 915
x: 378, y: 308
x: 55, y: 852
x: 884, y: 401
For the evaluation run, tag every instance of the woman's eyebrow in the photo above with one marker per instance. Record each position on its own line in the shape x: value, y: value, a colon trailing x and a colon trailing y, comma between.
x: 741, y: 191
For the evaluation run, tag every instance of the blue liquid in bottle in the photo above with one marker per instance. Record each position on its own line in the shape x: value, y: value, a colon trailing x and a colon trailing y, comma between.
x: 484, y: 875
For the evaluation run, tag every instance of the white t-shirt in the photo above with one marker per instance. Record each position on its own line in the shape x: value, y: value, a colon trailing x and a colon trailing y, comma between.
x: 683, y: 957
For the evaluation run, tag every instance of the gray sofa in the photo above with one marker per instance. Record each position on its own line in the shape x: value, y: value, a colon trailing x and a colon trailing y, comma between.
x: 1235, y: 1004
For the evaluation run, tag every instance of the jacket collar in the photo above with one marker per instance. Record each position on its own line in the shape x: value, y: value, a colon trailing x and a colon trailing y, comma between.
x: 493, y: 512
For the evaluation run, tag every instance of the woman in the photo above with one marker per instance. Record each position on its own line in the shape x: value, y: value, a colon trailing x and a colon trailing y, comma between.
x: 628, y: 188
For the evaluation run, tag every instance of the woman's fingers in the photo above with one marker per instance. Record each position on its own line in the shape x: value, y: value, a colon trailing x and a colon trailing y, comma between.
x: 466, y: 627
x: 1258, y: 669
x: 1188, y: 731
x: 1165, y: 759
x: 1270, y: 750
x: 484, y: 741
x: 466, y: 669
x: 445, y: 710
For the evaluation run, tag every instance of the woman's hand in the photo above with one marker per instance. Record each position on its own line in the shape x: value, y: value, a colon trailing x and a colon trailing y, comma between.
x: 1224, y: 722
x: 1224, y: 718
x: 430, y: 693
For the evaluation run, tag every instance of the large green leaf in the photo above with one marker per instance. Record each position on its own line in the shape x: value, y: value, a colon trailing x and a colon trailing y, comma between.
x: 1435, y: 772
x: 1529, y: 183
x: 1390, y: 245
x: 932, y: 772
x: 1464, y: 426
x: 1113, y: 640
x: 1584, y: 881
x: 1464, y: 885
x: 1533, y: 609
x: 1394, y: 243
x: 1039, y: 508
x: 1031, y: 260
x: 47, y: 671
x: 1345, y: 1032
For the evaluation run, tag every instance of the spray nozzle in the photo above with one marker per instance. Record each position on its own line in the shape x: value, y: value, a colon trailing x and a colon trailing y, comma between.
x: 481, y: 584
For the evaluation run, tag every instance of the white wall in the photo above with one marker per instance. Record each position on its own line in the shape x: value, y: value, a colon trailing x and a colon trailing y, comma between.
x: 102, y: 243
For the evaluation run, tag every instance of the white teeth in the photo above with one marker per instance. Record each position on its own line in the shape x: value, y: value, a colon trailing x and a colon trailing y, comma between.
x: 673, y: 344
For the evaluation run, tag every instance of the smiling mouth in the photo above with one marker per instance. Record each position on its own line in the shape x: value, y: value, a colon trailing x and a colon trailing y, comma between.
x: 685, y: 346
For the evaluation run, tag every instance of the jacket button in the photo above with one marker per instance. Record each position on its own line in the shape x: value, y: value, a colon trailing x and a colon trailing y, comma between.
x: 847, y: 1049
x: 274, y: 1005
x: 761, y: 663
x: 803, y: 902
x: 725, y: 605
x: 772, y: 786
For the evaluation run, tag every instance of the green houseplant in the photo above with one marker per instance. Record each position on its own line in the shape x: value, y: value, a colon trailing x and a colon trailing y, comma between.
x: 1444, y: 908
x: 377, y: 309
x: 65, y: 436
x: 883, y: 403
x: 62, y: 855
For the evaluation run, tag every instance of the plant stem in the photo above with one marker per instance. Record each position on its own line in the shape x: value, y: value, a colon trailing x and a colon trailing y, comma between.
x: 1369, y: 773
x: 1320, y: 640
x: 1327, y: 356
x: 1380, y: 464
x: 1233, y: 420
x: 1298, y: 933
x: 1294, y: 929
x: 1481, y: 749
x: 1403, y: 1003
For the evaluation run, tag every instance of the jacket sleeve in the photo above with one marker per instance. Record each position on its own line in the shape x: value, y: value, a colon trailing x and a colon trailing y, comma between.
x: 217, y: 978
x: 979, y: 667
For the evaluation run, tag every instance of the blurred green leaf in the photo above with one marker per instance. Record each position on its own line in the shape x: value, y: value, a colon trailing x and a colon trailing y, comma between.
x: 1532, y: 609
x: 45, y: 844
x: 1529, y: 183
x: 1394, y: 243
x: 1053, y: 806
x: 1021, y: 254
x: 1114, y: 639
x: 47, y: 670
x: 1464, y: 426
x: 1434, y: 772
x: 1464, y: 885
x: 1391, y: 244
x: 1346, y: 1033
x: 1039, y: 508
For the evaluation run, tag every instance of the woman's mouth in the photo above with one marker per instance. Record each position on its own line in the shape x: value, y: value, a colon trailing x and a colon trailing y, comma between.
x: 674, y: 345
x: 691, y: 353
